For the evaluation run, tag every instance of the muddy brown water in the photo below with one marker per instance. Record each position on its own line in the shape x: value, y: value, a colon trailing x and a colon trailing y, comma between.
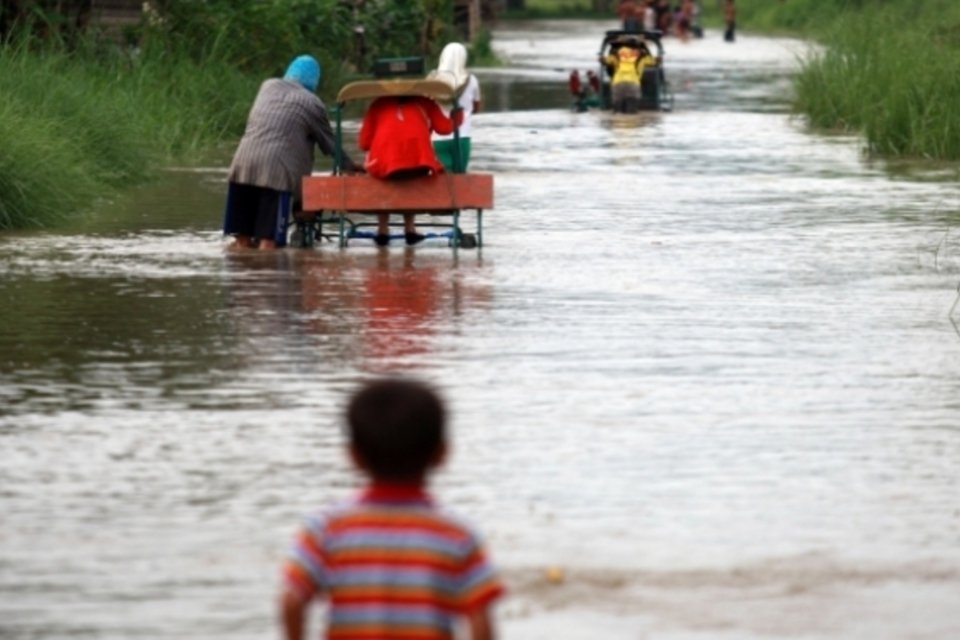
x: 703, y: 370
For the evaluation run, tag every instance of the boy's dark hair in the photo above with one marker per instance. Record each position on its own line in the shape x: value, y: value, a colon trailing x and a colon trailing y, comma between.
x: 396, y: 427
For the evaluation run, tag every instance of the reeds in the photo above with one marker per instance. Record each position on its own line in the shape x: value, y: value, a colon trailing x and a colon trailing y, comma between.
x: 77, y: 126
x: 897, y: 81
x: 890, y: 70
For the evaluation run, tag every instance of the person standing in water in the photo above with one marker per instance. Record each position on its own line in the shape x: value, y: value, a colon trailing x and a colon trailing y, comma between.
x: 730, y: 18
x: 452, y: 67
x: 286, y: 122
x: 628, y: 58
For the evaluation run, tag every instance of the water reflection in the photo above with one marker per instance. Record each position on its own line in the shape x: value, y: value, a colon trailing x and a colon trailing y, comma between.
x: 401, y: 302
x: 379, y: 310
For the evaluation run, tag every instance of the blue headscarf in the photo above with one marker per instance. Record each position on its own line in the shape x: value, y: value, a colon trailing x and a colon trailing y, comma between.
x: 305, y: 70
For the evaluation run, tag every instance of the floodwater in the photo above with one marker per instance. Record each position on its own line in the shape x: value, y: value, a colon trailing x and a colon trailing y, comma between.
x: 703, y: 371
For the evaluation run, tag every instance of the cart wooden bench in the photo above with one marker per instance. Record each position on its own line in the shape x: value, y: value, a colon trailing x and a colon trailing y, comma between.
x: 331, y: 200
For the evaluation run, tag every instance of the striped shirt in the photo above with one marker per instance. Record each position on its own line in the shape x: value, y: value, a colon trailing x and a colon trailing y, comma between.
x: 393, y: 566
x: 277, y: 147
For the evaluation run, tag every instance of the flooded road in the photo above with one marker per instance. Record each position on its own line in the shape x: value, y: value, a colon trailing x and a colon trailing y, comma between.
x: 703, y: 365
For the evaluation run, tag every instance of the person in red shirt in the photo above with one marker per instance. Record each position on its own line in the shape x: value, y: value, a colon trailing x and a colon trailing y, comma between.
x: 396, y: 136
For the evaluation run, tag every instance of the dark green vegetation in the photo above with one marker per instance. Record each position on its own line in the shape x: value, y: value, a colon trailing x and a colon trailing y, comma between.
x: 84, y: 113
x: 533, y: 9
x: 889, y: 69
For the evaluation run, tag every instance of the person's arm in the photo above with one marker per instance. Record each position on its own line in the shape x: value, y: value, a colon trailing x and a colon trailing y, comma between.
x: 479, y: 590
x: 480, y: 625
x: 302, y: 578
x: 477, y: 96
x: 322, y: 133
x: 292, y: 616
x: 439, y: 121
x: 320, y: 129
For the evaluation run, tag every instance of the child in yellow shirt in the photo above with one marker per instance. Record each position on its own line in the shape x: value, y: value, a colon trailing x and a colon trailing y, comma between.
x: 627, y: 60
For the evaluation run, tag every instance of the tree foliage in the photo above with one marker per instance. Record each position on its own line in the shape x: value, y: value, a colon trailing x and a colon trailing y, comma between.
x: 257, y: 36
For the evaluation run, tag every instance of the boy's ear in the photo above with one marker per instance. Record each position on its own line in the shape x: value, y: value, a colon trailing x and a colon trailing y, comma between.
x: 356, y: 458
x: 439, y: 456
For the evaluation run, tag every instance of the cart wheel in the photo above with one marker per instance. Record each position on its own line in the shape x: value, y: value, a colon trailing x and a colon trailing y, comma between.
x: 468, y: 241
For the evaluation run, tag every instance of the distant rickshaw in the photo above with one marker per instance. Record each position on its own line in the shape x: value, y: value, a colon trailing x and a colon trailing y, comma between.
x: 655, y: 92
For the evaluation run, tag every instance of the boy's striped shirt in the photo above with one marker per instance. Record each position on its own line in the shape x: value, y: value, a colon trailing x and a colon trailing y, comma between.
x: 392, y: 565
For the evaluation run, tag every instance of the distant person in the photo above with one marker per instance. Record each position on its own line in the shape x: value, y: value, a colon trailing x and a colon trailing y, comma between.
x: 391, y: 564
x: 650, y: 15
x: 629, y: 14
x: 395, y: 133
x: 664, y: 16
x: 697, y: 27
x: 453, y: 66
x: 628, y: 58
x: 586, y: 94
x: 684, y: 19
x: 286, y: 122
x: 730, y: 19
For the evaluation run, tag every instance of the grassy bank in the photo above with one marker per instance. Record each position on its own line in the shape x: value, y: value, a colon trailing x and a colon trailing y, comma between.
x: 74, y: 131
x: 889, y: 70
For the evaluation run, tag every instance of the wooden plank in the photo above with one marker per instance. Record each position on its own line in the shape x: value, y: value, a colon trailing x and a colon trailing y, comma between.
x: 362, y: 193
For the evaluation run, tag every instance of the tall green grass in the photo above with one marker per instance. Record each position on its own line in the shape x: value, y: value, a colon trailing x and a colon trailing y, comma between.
x: 888, y: 69
x: 74, y: 130
x: 897, y: 81
x: 44, y: 176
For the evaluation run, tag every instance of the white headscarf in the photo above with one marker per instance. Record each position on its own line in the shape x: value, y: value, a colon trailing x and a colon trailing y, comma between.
x: 452, y: 67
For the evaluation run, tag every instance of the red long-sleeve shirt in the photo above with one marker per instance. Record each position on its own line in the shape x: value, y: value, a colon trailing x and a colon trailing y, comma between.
x: 396, y: 135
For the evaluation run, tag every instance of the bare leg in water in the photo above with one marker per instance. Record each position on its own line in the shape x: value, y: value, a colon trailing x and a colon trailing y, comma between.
x: 247, y: 242
x: 409, y: 229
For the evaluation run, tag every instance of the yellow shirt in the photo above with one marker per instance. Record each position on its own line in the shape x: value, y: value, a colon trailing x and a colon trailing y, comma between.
x: 628, y: 65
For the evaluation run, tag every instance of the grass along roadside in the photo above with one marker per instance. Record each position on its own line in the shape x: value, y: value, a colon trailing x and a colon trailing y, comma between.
x: 897, y: 83
x: 889, y: 70
x: 75, y: 131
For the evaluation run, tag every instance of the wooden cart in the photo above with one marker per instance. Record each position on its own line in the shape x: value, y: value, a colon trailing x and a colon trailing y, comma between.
x: 334, y: 200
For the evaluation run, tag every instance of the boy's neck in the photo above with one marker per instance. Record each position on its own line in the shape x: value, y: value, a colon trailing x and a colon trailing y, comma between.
x: 417, y: 483
x: 396, y: 489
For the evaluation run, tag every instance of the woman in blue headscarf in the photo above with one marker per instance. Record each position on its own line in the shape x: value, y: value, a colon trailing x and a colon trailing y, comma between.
x: 286, y: 122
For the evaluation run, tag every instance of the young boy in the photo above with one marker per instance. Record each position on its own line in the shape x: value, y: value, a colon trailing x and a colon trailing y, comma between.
x: 391, y: 563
